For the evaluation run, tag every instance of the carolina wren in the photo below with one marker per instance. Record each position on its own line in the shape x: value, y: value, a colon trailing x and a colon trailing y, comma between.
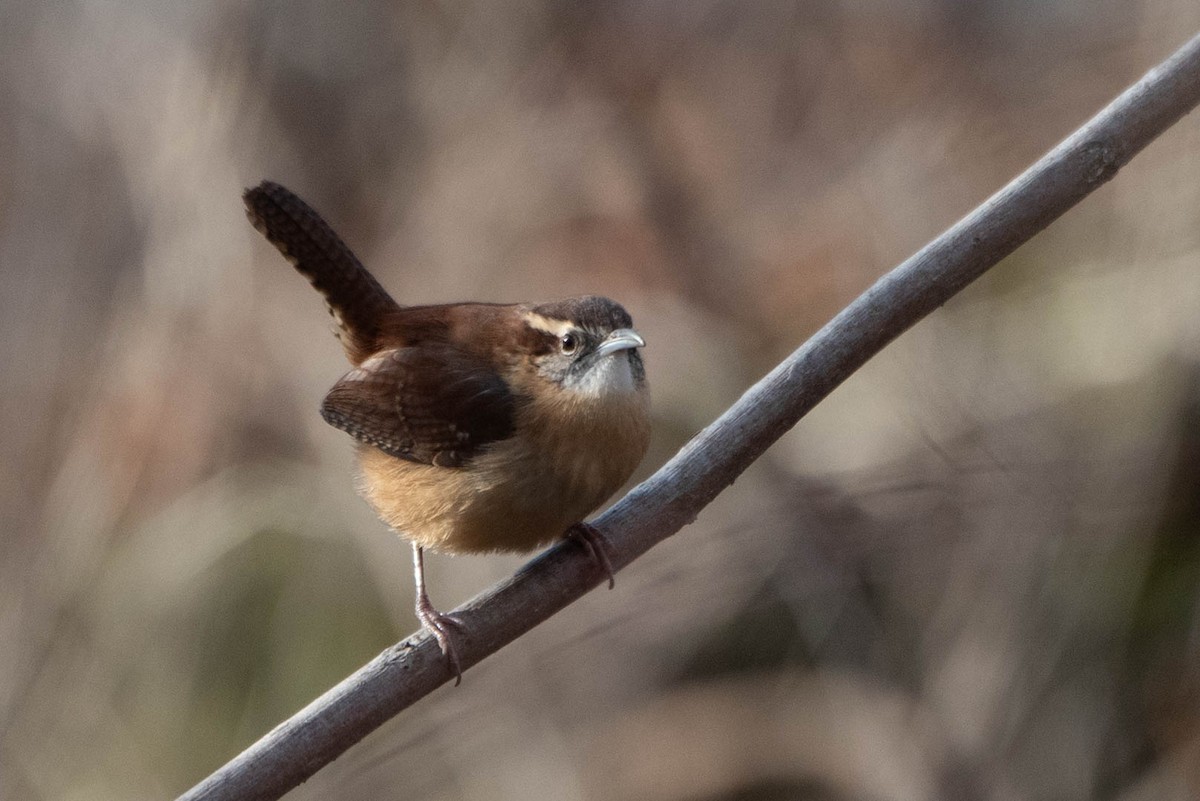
x: 481, y: 426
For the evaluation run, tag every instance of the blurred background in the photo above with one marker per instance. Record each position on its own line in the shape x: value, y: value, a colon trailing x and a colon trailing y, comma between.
x: 972, y: 573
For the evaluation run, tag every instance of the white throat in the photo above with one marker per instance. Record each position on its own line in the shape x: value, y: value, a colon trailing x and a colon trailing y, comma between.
x: 612, y: 375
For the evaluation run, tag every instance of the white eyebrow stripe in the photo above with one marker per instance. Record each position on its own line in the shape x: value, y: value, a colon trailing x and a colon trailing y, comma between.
x: 556, y: 328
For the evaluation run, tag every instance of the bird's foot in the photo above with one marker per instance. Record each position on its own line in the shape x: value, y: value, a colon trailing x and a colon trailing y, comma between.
x: 444, y: 628
x: 596, y: 546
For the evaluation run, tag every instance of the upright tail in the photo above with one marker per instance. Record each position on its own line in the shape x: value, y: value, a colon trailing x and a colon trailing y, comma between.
x: 355, y: 299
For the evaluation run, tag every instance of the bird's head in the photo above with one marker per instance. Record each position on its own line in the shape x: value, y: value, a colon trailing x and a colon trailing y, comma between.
x: 586, y: 346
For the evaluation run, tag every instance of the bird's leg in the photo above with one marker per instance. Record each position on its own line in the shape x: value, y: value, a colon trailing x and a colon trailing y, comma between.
x: 596, y: 546
x: 439, y: 624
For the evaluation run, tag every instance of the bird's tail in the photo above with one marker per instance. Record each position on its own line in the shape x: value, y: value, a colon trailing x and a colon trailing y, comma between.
x: 355, y: 299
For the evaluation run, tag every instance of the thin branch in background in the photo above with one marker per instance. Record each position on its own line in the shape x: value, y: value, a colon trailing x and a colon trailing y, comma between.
x: 675, y: 495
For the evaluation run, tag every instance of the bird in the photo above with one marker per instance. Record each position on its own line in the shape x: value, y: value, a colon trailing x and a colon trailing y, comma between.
x: 480, y: 427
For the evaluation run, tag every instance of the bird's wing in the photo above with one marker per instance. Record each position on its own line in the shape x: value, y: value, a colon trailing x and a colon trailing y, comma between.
x: 432, y: 404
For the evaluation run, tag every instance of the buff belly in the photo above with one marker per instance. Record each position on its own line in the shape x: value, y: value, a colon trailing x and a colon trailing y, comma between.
x: 518, y: 495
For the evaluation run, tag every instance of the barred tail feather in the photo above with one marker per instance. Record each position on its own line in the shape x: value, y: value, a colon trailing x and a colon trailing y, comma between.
x: 355, y: 299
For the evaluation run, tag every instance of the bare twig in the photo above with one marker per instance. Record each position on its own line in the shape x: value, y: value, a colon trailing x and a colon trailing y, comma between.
x: 674, y: 495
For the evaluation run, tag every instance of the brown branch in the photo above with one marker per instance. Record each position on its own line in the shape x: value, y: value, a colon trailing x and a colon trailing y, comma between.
x: 673, y: 496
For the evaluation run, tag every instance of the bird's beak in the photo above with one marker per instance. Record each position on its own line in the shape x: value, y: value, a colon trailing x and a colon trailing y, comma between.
x: 621, y: 339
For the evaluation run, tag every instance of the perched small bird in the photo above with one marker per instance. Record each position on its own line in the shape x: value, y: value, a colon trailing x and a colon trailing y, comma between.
x: 481, y: 426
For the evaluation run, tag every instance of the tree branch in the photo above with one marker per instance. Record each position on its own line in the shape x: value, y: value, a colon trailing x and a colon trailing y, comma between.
x: 676, y: 494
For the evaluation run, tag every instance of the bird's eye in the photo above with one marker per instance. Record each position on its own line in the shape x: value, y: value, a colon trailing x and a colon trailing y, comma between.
x: 569, y: 343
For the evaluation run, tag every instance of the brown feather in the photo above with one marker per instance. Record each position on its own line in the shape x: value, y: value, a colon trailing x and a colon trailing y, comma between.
x: 431, y: 403
x: 357, y: 302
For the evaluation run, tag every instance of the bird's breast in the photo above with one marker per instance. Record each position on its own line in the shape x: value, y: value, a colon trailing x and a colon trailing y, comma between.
x: 569, y: 455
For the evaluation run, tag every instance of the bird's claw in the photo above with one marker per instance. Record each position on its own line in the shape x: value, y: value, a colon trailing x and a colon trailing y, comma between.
x: 444, y: 628
x: 596, y: 546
